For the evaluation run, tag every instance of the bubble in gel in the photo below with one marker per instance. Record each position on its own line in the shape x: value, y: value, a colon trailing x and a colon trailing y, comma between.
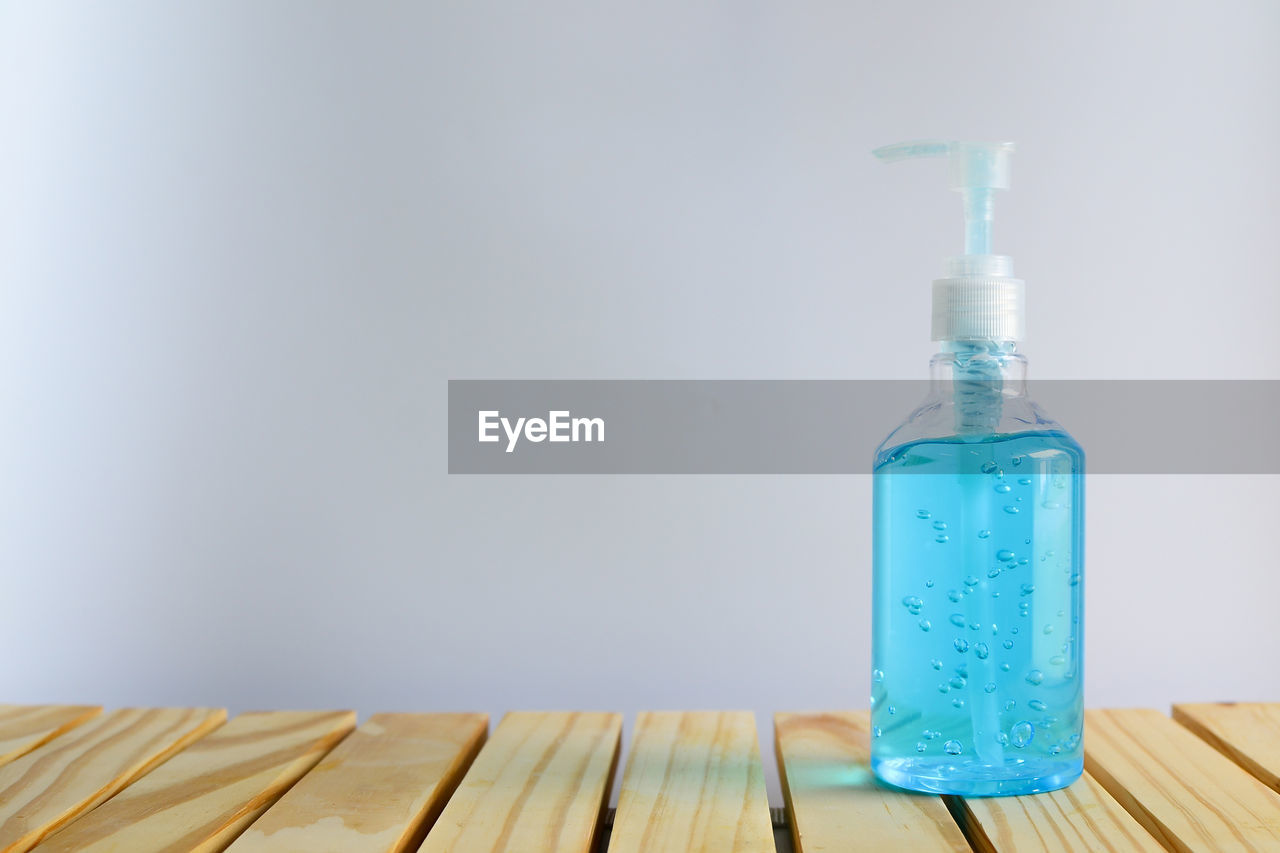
x: 989, y: 687
x: 920, y: 746
x: 958, y: 683
x: 1008, y: 706
x: 1021, y: 734
x: 927, y: 734
x: 1003, y: 488
x: 877, y: 676
x: 924, y: 513
x: 1008, y: 644
x: 981, y: 651
x: 943, y: 539
x: 955, y: 596
x: 971, y: 580
x: 984, y: 534
x: 994, y: 573
x: 939, y: 525
x: 1005, y: 555
x: 1035, y: 676
x: 925, y: 624
x: 936, y: 664
x: 875, y: 731
x: 928, y: 584
x: 953, y: 747
x: 961, y: 644
x: 944, y: 687
x: 1037, y: 705
x: 1002, y: 739
x: 958, y: 620
x: 989, y: 467
x: 1011, y: 509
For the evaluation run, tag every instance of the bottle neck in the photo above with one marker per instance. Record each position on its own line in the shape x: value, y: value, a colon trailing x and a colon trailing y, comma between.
x: 995, y: 362
x: 980, y: 376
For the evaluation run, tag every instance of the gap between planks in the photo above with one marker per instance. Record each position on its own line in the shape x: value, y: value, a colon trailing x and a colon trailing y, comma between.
x: 1246, y: 732
x: 379, y: 791
x: 46, y: 788
x: 202, y: 798
x: 1187, y: 794
x: 694, y: 781
x: 541, y: 783
x: 833, y: 799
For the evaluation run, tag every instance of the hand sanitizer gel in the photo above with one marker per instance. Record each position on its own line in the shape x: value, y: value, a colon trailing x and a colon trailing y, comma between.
x: 978, y: 542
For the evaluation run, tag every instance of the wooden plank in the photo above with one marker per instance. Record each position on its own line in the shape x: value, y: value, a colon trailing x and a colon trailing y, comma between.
x: 26, y: 727
x: 1246, y: 732
x: 694, y: 782
x: 202, y: 798
x: 1080, y: 818
x: 1186, y: 793
x: 378, y: 792
x: 45, y: 789
x: 833, y: 800
x: 540, y: 783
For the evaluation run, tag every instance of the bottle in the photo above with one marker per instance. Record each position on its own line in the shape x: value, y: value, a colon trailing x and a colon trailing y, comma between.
x: 978, y: 542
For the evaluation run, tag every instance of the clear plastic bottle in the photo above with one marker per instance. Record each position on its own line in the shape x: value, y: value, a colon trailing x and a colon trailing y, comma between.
x: 978, y: 544
x: 978, y: 591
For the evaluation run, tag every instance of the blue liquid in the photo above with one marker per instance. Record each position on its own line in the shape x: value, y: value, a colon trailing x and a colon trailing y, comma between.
x: 978, y: 614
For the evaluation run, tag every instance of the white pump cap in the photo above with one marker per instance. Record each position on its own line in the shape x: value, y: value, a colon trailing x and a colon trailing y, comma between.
x: 979, y: 299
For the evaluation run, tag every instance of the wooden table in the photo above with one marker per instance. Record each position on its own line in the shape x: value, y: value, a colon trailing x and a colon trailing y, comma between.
x: 186, y: 779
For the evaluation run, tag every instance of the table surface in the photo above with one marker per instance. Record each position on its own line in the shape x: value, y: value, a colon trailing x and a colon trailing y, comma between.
x: 76, y: 778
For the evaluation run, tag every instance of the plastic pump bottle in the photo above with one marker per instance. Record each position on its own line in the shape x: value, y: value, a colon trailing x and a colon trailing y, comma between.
x: 978, y: 595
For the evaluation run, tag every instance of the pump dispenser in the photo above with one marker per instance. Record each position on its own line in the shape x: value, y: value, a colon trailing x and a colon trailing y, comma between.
x: 979, y: 299
x: 978, y: 540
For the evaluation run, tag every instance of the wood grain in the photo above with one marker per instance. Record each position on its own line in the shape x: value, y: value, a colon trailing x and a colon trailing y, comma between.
x: 1246, y: 732
x: 378, y: 792
x: 45, y: 789
x: 833, y: 800
x: 694, y: 782
x: 1080, y: 818
x: 540, y: 784
x: 26, y: 727
x: 1186, y: 793
x: 202, y: 798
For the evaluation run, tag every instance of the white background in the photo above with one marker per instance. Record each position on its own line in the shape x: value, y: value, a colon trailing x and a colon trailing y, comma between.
x: 244, y: 245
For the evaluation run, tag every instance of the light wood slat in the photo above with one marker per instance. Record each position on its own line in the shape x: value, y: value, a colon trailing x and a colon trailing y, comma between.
x: 1080, y: 818
x: 44, y: 789
x: 378, y: 792
x: 1246, y: 732
x: 833, y: 800
x: 202, y: 798
x: 26, y: 727
x: 540, y: 783
x: 694, y: 782
x: 1186, y: 793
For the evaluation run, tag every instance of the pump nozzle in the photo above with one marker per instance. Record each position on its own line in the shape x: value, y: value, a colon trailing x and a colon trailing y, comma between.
x: 979, y: 299
x: 976, y: 169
